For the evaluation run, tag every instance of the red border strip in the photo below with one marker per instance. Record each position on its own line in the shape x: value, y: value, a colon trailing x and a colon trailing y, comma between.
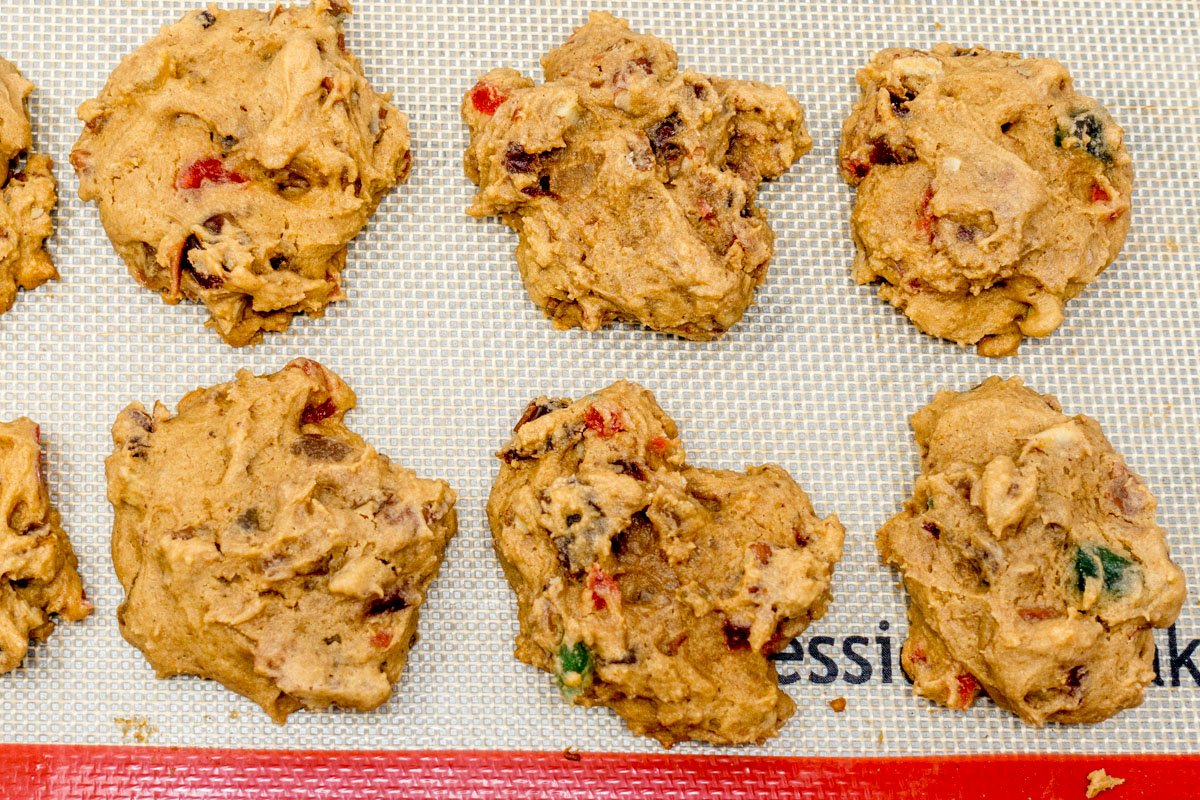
x: 61, y: 772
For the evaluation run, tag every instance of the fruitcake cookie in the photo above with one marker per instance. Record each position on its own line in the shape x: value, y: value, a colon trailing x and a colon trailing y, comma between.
x: 631, y: 184
x: 650, y: 586
x: 235, y: 155
x: 989, y: 192
x: 1032, y: 560
x: 27, y: 194
x: 38, y: 571
x: 264, y: 545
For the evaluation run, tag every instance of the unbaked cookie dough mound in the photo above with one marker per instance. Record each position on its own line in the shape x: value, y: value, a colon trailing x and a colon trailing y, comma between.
x: 235, y: 155
x: 1033, y: 564
x: 631, y: 184
x: 263, y: 544
x: 648, y: 585
x: 989, y: 192
x: 28, y: 194
x: 38, y: 571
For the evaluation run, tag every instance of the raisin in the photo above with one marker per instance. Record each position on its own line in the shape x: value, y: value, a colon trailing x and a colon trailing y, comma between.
x: 536, y: 410
x: 393, y: 601
x: 249, y: 519
x: 1075, y: 676
x: 228, y: 143
x: 541, y: 190
x: 631, y: 468
x: 573, y: 519
x: 737, y: 637
x: 214, y: 224
x: 1089, y: 130
x: 321, y: 411
x: 900, y: 102
x: 883, y: 153
x: 661, y: 132
x: 320, y: 448
x: 143, y: 420
x: 762, y: 552
x: 932, y: 529
x: 518, y: 161
x: 278, y: 262
x: 203, y: 279
x: 206, y: 19
x: 966, y: 233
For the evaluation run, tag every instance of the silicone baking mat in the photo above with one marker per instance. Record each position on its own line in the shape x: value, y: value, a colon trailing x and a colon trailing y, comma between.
x: 444, y: 349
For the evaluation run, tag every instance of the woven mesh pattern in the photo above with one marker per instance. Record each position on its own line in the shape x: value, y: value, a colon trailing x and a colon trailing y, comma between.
x: 444, y: 349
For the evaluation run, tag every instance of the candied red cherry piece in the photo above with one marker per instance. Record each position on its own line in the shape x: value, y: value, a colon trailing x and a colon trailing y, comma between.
x: 206, y: 169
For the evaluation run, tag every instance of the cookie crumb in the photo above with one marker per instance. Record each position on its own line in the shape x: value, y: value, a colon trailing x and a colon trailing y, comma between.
x: 571, y: 754
x: 139, y: 729
x: 838, y: 704
x: 235, y: 714
x: 1100, y: 781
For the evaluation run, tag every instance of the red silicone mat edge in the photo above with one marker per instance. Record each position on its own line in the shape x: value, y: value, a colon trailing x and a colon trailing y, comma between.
x: 68, y: 772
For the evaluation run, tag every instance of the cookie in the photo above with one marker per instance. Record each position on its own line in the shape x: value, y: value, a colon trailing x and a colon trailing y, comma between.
x: 38, y: 572
x: 648, y: 585
x: 1033, y: 563
x: 234, y: 156
x: 263, y: 544
x: 28, y: 194
x: 631, y: 184
x: 989, y: 192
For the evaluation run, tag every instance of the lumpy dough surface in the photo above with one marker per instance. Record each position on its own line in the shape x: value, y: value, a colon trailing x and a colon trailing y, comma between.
x: 263, y: 544
x: 1034, y: 566
x: 989, y: 192
x: 38, y: 571
x: 631, y: 184
x: 650, y: 586
x: 27, y: 194
x: 235, y: 155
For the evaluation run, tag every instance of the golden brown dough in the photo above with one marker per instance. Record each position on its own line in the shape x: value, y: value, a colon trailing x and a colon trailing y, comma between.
x: 263, y: 544
x: 235, y: 155
x: 1032, y: 560
x: 650, y: 586
x: 989, y: 192
x: 38, y: 570
x: 630, y: 183
x: 28, y: 194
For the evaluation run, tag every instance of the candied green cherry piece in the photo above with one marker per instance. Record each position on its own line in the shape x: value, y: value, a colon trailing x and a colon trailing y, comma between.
x: 1099, y: 562
x: 1115, y: 567
x: 1085, y: 567
x: 573, y: 673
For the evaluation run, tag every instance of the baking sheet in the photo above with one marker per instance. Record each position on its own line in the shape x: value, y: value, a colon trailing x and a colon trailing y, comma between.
x: 444, y: 349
